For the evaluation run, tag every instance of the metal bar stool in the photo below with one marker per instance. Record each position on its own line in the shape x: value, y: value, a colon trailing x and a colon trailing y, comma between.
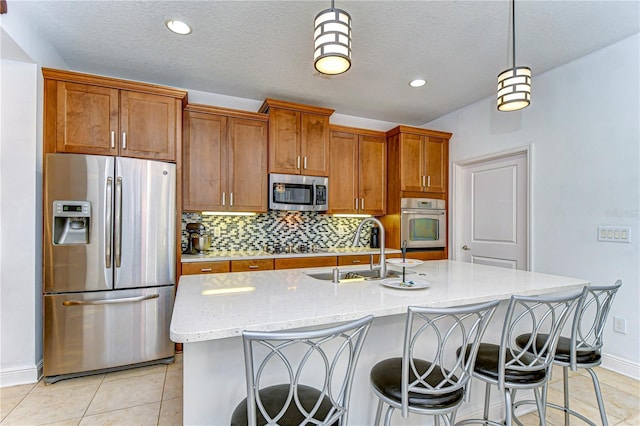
x: 429, y: 378
x: 583, y: 348
x: 508, y: 366
x: 300, y: 377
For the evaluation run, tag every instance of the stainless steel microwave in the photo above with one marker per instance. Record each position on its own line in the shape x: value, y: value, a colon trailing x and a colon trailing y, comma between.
x: 298, y: 192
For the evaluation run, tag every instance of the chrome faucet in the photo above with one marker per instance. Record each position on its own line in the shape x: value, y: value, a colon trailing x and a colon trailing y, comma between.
x: 383, y: 261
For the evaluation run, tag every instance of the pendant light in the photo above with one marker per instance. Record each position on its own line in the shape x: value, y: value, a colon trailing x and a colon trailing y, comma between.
x: 332, y: 41
x: 514, y: 84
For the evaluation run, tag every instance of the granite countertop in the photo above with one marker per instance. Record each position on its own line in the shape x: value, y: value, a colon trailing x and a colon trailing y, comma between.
x: 216, y: 306
x: 260, y: 254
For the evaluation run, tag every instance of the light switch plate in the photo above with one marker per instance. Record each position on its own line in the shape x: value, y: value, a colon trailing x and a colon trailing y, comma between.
x: 616, y: 234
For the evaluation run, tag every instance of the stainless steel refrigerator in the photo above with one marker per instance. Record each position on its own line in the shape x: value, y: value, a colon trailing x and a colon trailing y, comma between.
x: 109, y: 263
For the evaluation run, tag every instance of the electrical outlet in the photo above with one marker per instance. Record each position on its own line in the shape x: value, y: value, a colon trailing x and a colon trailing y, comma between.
x: 217, y: 231
x: 341, y: 230
x: 620, y: 325
x: 616, y: 234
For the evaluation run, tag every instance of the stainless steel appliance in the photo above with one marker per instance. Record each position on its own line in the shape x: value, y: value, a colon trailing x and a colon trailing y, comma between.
x: 298, y: 192
x: 199, y: 239
x: 109, y: 263
x: 423, y: 222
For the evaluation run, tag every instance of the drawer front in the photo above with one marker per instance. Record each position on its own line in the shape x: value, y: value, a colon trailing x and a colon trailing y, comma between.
x: 251, y: 265
x: 357, y: 259
x: 305, y: 262
x: 194, y: 268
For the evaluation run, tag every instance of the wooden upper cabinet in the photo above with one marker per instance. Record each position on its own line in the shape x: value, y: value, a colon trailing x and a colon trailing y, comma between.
x: 204, y: 161
x: 343, y: 176
x: 372, y: 166
x: 224, y: 160
x: 88, y: 114
x: 86, y: 119
x: 358, y: 172
x: 148, y: 125
x: 248, y: 164
x: 298, y: 138
x: 418, y: 158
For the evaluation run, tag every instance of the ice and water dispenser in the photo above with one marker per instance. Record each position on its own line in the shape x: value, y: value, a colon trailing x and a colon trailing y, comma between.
x: 71, y: 222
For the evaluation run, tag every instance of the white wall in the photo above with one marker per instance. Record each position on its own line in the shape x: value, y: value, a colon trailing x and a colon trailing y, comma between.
x: 19, y: 275
x: 584, y: 126
x: 23, y: 52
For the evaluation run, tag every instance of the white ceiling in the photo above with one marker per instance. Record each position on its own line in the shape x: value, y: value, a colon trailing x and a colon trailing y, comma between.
x: 259, y: 49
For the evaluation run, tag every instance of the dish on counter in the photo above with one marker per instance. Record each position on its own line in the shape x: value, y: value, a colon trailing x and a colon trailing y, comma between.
x: 407, y: 263
x: 408, y: 284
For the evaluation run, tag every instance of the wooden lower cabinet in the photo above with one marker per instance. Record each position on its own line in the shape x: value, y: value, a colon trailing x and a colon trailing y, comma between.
x: 305, y: 262
x: 251, y: 265
x: 194, y: 268
x: 359, y: 259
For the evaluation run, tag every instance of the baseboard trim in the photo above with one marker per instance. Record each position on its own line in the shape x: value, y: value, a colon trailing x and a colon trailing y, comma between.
x: 20, y: 375
x: 622, y: 366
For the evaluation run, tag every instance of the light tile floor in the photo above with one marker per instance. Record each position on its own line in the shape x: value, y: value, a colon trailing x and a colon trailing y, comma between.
x: 153, y: 396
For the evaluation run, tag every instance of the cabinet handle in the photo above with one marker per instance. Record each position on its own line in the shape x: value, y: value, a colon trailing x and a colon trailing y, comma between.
x: 361, y: 203
x: 113, y: 139
x: 305, y: 163
x: 231, y: 199
x: 253, y: 266
x: 124, y: 140
x: 298, y: 162
x: 206, y: 270
x: 428, y: 180
x: 423, y: 182
x: 355, y: 201
x: 355, y: 261
x: 223, y: 198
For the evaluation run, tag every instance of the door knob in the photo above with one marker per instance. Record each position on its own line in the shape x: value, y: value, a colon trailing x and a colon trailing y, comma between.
x: 466, y: 248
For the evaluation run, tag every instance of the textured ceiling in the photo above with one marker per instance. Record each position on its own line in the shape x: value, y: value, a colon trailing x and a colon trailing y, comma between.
x: 259, y: 49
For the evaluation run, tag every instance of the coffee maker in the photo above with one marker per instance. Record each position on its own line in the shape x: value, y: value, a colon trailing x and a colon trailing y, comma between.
x: 199, y: 239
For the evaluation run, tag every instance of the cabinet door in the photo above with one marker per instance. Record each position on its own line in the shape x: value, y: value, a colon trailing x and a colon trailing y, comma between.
x: 412, y: 162
x: 343, y: 181
x: 148, y: 126
x: 86, y: 119
x: 372, y: 183
x: 204, y: 162
x: 315, y: 144
x: 435, y: 164
x: 284, y: 141
x: 247, y: 165
x: 251, y: 265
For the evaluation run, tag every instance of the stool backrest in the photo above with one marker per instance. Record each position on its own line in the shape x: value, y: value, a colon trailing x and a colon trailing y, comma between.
x: 535, y: 316
x: 433, y: 335
x: 590, y: 318
x: 323, y: 358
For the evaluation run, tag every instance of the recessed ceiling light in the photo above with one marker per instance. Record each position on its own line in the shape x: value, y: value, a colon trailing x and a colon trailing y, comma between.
x: 178, y: 27
x: 417, y: 83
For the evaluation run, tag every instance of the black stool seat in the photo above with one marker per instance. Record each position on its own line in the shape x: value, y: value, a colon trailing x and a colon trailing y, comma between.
x: 386, y: 378
x: 274, y: 397
x: 487, y: 362
x: 563, y: 351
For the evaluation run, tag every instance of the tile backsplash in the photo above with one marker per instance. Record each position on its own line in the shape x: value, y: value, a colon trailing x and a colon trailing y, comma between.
x: 277, y: 228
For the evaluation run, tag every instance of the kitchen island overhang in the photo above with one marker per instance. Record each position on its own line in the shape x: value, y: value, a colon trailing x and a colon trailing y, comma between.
x: 211, y: 311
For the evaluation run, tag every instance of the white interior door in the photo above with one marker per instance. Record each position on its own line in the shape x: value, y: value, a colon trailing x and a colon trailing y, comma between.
x: 491, y: 212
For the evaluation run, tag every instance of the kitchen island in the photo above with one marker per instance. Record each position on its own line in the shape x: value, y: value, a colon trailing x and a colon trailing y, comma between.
x: 211, y: 311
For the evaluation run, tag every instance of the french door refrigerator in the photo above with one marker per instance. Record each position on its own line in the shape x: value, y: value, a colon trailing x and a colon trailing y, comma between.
x: 109, y: 263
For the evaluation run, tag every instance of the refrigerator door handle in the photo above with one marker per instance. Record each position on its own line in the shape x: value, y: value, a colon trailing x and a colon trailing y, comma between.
x: 118, y: 220
x: 108, y: 222
x: 110, y: 301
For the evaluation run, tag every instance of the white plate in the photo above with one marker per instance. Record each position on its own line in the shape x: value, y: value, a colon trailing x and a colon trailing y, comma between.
x: 409, y: 284
x: 408, y: 263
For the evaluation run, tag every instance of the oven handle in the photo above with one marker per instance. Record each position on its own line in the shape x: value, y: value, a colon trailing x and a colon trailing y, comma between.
x: 422, y: 211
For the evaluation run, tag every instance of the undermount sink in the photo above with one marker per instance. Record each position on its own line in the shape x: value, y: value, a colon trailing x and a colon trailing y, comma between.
x: 360, y: 275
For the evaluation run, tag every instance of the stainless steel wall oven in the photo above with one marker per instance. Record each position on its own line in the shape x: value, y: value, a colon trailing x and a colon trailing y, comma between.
x: 423, y: 222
